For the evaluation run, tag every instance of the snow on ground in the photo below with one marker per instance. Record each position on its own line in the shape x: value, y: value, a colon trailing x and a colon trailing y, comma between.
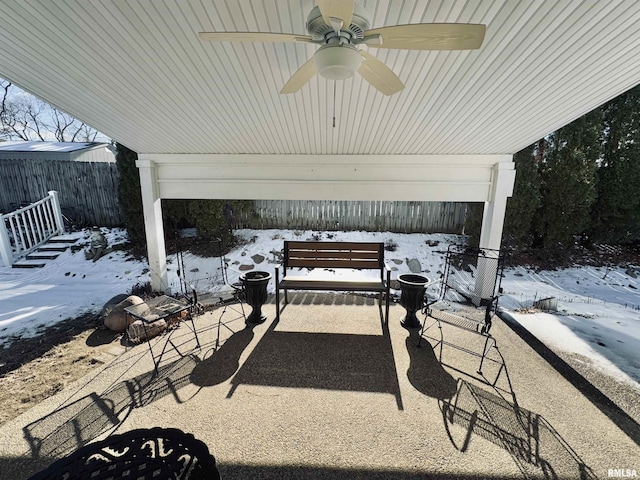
x: 31, y: 299
x: 598, y: 313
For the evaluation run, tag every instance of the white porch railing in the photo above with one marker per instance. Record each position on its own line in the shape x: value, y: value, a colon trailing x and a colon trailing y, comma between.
x: 26, y: 229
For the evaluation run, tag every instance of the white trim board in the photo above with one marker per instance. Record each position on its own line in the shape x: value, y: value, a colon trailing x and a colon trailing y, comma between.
x: 463, y: 178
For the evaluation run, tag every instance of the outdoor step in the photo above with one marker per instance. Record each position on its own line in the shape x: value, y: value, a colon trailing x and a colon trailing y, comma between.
x: 68, y: 239
x: 28, y: 264
x: 53, y: 249
x: 39, y: 256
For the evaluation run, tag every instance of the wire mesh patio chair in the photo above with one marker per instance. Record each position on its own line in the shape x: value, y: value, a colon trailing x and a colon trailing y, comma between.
x: 468, y: 295
x: 207, y: 281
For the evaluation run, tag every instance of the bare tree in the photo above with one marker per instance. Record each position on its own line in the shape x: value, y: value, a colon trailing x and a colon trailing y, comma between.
x: 25, y: 117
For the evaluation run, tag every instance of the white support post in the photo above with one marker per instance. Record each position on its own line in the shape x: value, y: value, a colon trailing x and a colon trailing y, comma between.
x: 503, y: 179
x: 154, y: 231
x: 5, y: 245
x: 57, y: 212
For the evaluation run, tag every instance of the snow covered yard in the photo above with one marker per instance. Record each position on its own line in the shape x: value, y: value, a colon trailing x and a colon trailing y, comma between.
x: 598, y: 313
x: 32, y: 299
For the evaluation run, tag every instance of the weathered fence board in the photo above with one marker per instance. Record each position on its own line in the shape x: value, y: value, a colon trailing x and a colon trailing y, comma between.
x: 88, y: 196
x: 88, y: 190
x: 406, y: 217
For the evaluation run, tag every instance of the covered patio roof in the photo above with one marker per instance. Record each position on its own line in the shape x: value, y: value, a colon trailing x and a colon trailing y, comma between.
x: 207, y: 119
x: 138, y: 72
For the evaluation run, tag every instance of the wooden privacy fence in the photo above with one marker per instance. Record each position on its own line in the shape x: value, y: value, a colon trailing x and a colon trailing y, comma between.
x: 88, y: 191
x: 404, y: 217
x: 29, y: 227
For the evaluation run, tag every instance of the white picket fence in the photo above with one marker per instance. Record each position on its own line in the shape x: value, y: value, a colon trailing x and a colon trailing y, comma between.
x: 29, y: 227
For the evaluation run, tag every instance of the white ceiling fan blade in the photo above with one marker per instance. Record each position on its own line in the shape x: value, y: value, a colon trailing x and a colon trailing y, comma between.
x: 430, y: 36
x: 253, y: 37
x: 300, y: 78
x: 379, y: 75
x: 338, y: 9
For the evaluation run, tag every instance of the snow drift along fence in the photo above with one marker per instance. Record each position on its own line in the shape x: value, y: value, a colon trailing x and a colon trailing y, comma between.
x: 26, y: 229
x: 401, y: 217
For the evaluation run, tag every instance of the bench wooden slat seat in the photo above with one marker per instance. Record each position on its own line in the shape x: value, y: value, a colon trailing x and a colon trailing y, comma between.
x: 334, y: 255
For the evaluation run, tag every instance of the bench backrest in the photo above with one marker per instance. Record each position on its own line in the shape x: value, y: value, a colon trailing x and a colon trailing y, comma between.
x: 357, y: 255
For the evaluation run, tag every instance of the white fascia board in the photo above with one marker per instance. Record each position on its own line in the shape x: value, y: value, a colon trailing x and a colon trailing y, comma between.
x: 465, y: 178
x: 251, y: 159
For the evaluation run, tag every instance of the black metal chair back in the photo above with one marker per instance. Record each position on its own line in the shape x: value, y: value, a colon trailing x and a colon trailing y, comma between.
x: 472, y: 275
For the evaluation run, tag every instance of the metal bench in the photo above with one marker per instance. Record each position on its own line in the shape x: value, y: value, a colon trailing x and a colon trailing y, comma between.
x: 334, y: 255
x: 156, y: 453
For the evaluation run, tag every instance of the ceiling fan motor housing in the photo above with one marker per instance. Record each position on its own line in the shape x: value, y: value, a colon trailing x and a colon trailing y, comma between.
x: 337, y: 59
x: 319, y: 30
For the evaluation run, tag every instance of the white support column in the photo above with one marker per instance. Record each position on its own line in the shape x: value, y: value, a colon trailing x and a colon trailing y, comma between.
x: 502, y: 183
x: 503, y: 179
x: 154, y: 231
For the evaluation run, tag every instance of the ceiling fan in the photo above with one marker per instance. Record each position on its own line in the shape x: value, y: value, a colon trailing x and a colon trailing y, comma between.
x: 340, y: 26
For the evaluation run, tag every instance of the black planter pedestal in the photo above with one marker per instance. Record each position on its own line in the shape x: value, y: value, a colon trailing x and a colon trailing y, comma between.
x: 412, y: 293
x: 255, y: 289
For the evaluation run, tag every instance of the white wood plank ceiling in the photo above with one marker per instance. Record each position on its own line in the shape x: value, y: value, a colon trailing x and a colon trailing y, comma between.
x: 137, y: 71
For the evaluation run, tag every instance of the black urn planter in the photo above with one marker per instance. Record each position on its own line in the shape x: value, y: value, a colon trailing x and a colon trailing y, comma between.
x: 412, y: 288
x: 255, y: 289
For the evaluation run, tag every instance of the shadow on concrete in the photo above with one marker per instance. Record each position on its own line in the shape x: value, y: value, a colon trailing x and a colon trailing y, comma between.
x: 535, y: 446
x: 78, y: 423
x: 322, y: 298
x: 223, y: 362
x: 425, y: 372
x: 14, y: 468
x: 290, y: 472
x: 327, y: 361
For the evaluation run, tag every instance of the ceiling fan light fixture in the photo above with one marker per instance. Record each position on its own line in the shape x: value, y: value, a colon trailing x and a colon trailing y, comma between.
x: 337, y: 62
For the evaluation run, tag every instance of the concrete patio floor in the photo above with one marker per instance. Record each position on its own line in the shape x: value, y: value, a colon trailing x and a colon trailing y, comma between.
x: 328, y: 392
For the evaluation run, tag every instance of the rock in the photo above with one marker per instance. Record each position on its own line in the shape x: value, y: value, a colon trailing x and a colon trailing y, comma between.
x: 245, y: 267
x: 111, y: 303
x: 113, y: 314
x: 138, y: 334
x: 257, y: 258
x: 414, y: 265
